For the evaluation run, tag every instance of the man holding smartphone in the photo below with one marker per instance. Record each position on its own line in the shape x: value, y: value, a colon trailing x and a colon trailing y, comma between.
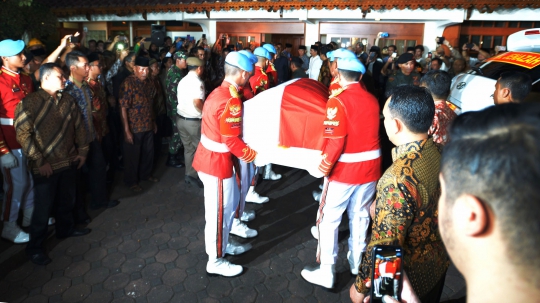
x: 405, y: 208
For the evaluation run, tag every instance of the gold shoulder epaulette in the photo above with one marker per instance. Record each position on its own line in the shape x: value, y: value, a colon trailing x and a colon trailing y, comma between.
x: 25, y: 73
x: 234, y: 93
x: 336, y: 92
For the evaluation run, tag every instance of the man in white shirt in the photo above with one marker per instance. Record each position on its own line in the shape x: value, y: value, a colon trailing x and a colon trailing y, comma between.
x: 315, y: 63
x: 191, y: 95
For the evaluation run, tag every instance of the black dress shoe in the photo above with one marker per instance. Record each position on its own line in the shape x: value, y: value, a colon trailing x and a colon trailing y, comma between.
x: 195, y: 181
x: 83, y: 221
x: 173, y: 162
x: 40, y: 259
x: 112, y: 203
x: 77, y: 233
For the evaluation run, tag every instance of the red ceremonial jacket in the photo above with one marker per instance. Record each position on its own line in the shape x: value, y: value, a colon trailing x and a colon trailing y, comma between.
x: 13, y: 88
x: 351, y: 150
x: 221, y: 129
x: 272, y: 74
x: 259, y: 81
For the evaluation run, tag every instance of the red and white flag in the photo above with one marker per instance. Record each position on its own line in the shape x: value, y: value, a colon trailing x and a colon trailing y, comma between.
x: 284, y: 124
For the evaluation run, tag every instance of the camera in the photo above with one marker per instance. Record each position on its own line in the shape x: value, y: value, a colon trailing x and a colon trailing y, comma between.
x: 74, y: 39
x: 470, y: 45
x: 429, y: 55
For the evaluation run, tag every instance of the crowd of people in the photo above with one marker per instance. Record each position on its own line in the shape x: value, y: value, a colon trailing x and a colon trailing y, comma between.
x: 73, y: 117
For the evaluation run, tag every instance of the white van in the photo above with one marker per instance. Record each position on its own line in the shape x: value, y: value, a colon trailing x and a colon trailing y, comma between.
x: 473, y: 90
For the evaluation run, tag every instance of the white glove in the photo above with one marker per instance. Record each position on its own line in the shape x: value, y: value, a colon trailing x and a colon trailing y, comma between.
x: 315, y: 172
x: 8, y: 161
x: 261, y: 160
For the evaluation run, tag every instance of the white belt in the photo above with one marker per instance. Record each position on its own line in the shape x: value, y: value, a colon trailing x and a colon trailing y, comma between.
x: 6, y: 121
x: 213, y: 145
x: 360, y: 157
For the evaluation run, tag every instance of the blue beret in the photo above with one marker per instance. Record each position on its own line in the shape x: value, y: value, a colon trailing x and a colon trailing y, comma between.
x: 351, y: 64
x: 238, y: 60
x: 262, y: 52
x: 270, y: 48
x: 343, y: 53
x: 10, y: 48
x: 330, y: 56
x: 250, y: 56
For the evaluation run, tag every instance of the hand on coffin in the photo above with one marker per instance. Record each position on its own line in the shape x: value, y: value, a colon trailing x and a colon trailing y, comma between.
x: 261, y: 160
x: 315, y: 172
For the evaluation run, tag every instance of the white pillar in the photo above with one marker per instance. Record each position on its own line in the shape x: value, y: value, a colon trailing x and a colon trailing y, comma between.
x: 312, y: 33
x: 131, y: 33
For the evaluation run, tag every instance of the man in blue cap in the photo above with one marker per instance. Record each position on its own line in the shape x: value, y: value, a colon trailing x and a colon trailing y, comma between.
x: 271, y: 69
x: 259, y: 81
x: 351, y: 165
x: 18, y: 185
x: 220, y: 144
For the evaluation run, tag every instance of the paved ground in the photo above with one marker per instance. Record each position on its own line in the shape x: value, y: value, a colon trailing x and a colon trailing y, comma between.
x: 151, y: 249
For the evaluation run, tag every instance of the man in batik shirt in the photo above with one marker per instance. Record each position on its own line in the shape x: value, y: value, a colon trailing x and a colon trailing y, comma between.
x: 438, y: 83
x: 407, y: 197
x: 136, y: 99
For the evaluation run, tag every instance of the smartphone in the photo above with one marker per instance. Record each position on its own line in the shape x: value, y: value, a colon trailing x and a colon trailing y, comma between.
x: 394, y: 55
x: 440, y: 40
x: 470, y: 45
x: 386, y: 272
x: 372, y: 56
x: 188, y: 38
x: 429, y: 55
x: 74, y: 39
x: 204, y: 36
x: 502, y: 48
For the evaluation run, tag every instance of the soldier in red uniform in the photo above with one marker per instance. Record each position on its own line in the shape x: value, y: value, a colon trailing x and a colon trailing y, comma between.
x: 271, y: 69
x: 259, y: 81
x: 352, y: 165
x: 218, y: 149
x: 18, y: 185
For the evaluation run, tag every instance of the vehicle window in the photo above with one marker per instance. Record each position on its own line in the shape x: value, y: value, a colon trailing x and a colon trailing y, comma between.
x: 493, y: 70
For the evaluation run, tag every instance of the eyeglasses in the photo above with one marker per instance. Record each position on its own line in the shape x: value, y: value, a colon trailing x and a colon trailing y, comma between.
x: 83, y: 66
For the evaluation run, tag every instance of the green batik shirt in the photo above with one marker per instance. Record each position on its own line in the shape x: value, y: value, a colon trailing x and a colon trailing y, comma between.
x: 174, y: 75
x: 406, y: 215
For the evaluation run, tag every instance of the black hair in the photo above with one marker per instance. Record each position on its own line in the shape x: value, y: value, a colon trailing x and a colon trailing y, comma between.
x: 411, y: 49
x: 192, y: 67
x: 46, y: 69
x: 349, y: 75
x: 518, y: 83
x: 395, y: 48
x: 438, y: 60
x: 72, y: 58
x: 420, y: 47
x: 438, y: 83
x: 167, y: 38
x: 414, y: 106
x: 92, y: 40
x: 100, y: 41
x: 130, y: 57
x: 492, y: 154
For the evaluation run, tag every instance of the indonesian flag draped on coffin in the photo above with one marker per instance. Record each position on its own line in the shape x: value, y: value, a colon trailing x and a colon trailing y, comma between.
x: 284, y: 124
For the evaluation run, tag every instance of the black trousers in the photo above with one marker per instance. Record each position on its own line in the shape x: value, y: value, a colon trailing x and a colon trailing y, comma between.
x: 94, y: 175
x: 56, y: 195
x: 139, y: 158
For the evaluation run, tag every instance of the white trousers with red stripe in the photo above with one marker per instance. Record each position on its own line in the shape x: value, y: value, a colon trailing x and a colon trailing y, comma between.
x: 18, y: 188
x: 221, y: 197
x: 336, y: 198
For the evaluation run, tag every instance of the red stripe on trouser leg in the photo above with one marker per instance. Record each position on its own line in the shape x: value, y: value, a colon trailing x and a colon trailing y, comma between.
x: 239, y: 182
x: 220, y: 220
x: 9, y: 195
x: 319, y: 219
x: 255, y: 175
